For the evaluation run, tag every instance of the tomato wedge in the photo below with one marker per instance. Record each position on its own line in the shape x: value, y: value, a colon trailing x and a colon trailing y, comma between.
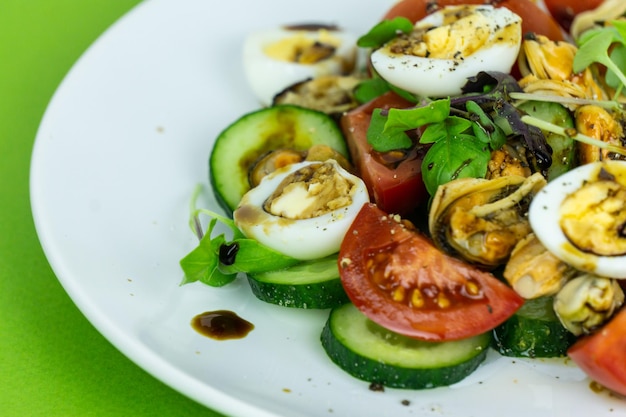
x: 564, y: 11
x: 396, y: 187
x: 400, y: 280
x: 534, y: 18
x: 602, y: 355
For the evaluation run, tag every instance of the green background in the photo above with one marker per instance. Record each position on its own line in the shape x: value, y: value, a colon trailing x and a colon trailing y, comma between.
x: 52, y: 360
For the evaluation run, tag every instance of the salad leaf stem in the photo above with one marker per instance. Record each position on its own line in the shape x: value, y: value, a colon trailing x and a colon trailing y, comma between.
x: 550, y: 127
x: 606, y: 104
x: 205, y: 262
x: 194, y: 217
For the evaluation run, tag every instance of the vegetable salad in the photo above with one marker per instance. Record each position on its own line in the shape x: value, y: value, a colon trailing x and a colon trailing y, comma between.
x: 454, y: 182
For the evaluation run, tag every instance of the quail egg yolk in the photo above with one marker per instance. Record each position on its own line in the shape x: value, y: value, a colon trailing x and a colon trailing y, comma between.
x: 275, y: 59
x: 303, y: 49
x: 594, y: 218
x: 302, y: 210
x: 581, y: 218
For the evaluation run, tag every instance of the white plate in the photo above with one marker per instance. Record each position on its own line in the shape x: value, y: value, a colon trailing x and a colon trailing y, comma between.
x: 121, y: 147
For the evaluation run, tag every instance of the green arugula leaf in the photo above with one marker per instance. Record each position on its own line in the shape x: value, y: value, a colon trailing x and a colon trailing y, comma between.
x: 371, y: 88
x: 484, y: 127
x: 410, y: 97
x: 383, y: 141
x: 253, y: 257
x: 386, y: 131
x: 595, y: 49
x: 618, y: 55
x: 407, y: 119
x: 460, y: 156
x: 588, y: 34
x: 384, y: 32
x: 449, y: 127
x: 376, y: 86
x: 620, y: 27
x: 202, y: 263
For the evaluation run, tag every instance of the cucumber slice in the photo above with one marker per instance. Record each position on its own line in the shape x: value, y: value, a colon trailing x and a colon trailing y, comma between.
x: 372, y: 353
x: 256, y: 133
x: 534, y: 331
x: 309, y: 284
x: 563, y: 147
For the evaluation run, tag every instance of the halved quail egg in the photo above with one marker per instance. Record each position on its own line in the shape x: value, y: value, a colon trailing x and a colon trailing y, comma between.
x: 302, y: 210
x: 277, y: 58
x: 581, y: 218
x: 449, y: 46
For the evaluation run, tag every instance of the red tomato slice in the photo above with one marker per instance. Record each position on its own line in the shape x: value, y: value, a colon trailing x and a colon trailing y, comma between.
x: 564, y: 11
x: 400, y: 280
x: 534, y: 19
x: 398, y: 187
x: 602, y: 355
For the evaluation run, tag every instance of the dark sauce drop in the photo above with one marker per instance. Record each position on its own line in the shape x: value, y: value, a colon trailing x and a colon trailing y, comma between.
x: 221, y: 325
x: 228, y: 253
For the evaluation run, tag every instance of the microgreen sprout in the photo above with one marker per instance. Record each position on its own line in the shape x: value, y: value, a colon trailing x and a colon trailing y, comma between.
x: 550, y: 127
x: 611, y: 105
x: 605, y: 46
x: 204, y: 262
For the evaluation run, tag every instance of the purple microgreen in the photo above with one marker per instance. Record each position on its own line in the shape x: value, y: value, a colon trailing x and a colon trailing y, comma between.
x: 491, y: 90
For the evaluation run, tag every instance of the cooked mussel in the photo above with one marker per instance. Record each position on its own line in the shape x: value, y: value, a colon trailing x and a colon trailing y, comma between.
x: 533, y: 271
x: 598, y: 123
x: 586, y: 302
x: 546, y: 68
x: 482, y: 220
x: 331, y: 94
x: 279, y: 158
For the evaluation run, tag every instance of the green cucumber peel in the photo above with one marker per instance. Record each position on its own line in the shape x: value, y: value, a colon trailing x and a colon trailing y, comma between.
x: 203, y: 263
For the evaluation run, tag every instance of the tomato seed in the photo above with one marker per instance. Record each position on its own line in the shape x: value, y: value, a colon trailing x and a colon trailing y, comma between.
x: 399, y: 293
x: 378, y: 277
x: 346, y: 262
x: 472, y: 288
x: 442, y: 300
x: 417, y: 299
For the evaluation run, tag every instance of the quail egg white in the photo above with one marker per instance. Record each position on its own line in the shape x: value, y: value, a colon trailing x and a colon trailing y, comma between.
x: 449, y: 46
x: 275, y: 59
x: 302, y: 210
x: 581, y: 218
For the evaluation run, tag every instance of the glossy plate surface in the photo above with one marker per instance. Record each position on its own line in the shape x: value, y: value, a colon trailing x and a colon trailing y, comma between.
x: 119, y: 152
